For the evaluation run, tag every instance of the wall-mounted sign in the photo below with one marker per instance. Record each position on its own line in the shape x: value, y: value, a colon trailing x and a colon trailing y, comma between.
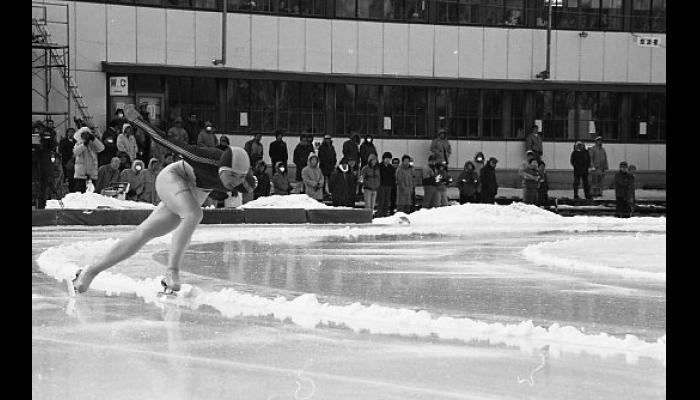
x: 118, y: 86
x: 648, y: 41
x: 538, y: 122
x: 244, y: 119
x: 642, y: 128
x: 387, y: 123
x: 591, y: 126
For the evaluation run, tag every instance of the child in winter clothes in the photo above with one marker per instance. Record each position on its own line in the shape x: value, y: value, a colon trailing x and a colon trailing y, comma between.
x: 312, y: 177
x: 263, y: 188
x: 468, y: 184
x: 280, y: 181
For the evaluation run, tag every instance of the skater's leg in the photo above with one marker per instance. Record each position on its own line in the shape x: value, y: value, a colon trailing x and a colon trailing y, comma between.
x: 160, y: 222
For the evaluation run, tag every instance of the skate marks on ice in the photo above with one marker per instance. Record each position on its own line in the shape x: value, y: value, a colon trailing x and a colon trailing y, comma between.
x: 306, y: 311
x: 544, y: 354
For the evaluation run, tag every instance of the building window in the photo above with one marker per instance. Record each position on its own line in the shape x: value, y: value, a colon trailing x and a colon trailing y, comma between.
x: 556, y: 111
x: 517, y: 114
x: 238, y: 105
x: 312, y: 110
x: 448, y: 11
x: 357, y: 109
x: 658, y: 16
x: 514, y: 12
x: 641, y: 11
x: 611, y: 15
x: 492, y: 113
x: 590, y: 14
x: 416, y: 10
x: 345, y: 8
x: 262, y: 106
x: 457, y: 110
x: 406, y: 106
x: 648, y: 117
x: 192, y: 95
x: 598, y: 115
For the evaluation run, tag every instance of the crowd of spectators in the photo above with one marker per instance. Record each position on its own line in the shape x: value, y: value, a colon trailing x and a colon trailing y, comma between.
x: 81, y: 162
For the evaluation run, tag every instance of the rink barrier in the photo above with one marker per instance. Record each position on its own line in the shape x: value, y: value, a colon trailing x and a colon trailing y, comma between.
x: 211, y: 216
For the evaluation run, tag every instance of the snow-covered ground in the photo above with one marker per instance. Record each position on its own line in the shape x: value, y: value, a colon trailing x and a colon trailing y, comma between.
x: 526, y: 268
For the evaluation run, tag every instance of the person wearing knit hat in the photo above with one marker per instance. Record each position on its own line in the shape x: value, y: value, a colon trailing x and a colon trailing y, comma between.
x: 182, y: 187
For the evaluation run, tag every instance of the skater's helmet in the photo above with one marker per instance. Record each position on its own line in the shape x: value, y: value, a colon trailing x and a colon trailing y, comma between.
x: 234, y: 159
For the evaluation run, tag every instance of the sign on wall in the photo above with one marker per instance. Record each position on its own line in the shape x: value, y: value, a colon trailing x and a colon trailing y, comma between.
x: 118, y: 86
x: 387, y: 123
x: 648, y: 41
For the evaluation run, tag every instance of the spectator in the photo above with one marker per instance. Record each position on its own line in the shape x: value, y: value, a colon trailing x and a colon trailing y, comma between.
x: 207, y: 136
x: 134, y: 177
x: 278, y: 149
x: 489, y: 184
x: 149, y: 194
x: 351, y: 149
x: 367, y: 148
x: 167, y: 159
x: 440, y: 147
x: 429, y: 182
x: 468, y: 183
x: 313, y: 178
x: 404, y: 185
x: 581, y: 161
x: 531, y: 179
x: 126, y: 142
x: 542, y: 191
x: 65, y: 148
x: 56, y: 187
x: 107, y: 175
x: 263, y: 188
x: 342, y: 185
x: 623, y: 185
x: 124, y: 161
x: 109, y: 140
x: 85, y: 151
x: 280, y: 180
x: 533, y: 142
x: 599, y: 163
x: 223, y: 143
x: 192, y: 127
x: 177, y: 133
x: 513, y: 17
x: 442, y: 181
x: 43, y: 168
x: 143, y: 141
x: 352, y: 164
x: 254, y: 149
x: 117, y: 122
x: 387, y: 180
x: 479, y: 161
x: 370, y: 180
x: 301, y: 154
x: 632, y: 198
x: 327, y: 158
x: 395, y: 162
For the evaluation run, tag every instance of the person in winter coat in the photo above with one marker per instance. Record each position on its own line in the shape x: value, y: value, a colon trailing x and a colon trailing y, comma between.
x: 370, y: 179
x: 404, y: 185
x: 581, y: 161
x: 85, y: 151
x: 42, y: 166
x: 107, y: 175
x: 134, y: 177
x: 543, y: 190
x: 442, y: 181
x: 387, y: 180
x: 192, y: 127
x: 280, y: 180
x: 531, y: 179
x: 149, y: 194
x: 342, y: 184
x: 278, y: 149
x: 109, y: 140
x: 177, y: 133
x: 395, y: 162
x: 313, y: 178
x: 479, y: 162
x: 468, y: 183
x: 440, y: 147
x: 223, y: 143
x: 351, y: 149
x: 599, y: 163
x: 428, y: 175
x: 624, y: 184
x: 263, y: 188
x: 632, y: 198
x: 489, y: 184
x: 207, y: 136
x: 301, y: 154
x: 533, y: 142
x: 126, y: 142
x: 367, y: 148
x: 254, y: 148
x: 327, y: 158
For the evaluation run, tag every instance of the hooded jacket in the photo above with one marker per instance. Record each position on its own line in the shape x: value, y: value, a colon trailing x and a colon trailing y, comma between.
x: 313, y: 179
x: 350, y: 149
x: 135, y: 180
x: 109, y: 140
x: 534, y: 143
x: 127, y: 144
x: 367, y: 148
x: 86, y: 155
x: 327, y: 158
x: 106, y: 177
x: 441, y: 148
x: 149, y: 194
x: 263, y: 188
x: 404, y: 185
x: 580, y: 159
x: 207, y: 138
x: 371, y: 178
x: 280, y: 180
x: 254, y: 150
x: 599, y: 158
x: 301, y: 154
x: 468, y: 181
x: 342, y: 186
x: 489, y: 185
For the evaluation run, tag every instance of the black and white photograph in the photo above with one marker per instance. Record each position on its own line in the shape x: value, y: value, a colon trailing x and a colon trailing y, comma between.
x: 349, y: 199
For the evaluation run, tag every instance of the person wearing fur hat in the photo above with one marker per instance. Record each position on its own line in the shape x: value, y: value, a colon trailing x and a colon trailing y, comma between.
x: 581, y: 161
x: 207, y: 137
x: 126, y: 141
x: 280, y: 179
x: 263, y: 188
x: 182, y: 187
x: 342, y: 185
x: 312, y: 177
x: 85, y: 151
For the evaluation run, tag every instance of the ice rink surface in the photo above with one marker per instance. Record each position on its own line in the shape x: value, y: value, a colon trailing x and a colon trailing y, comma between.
x: 540, y: 307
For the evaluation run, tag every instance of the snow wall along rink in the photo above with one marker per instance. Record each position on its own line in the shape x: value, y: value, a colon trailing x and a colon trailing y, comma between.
x: 514, y: 277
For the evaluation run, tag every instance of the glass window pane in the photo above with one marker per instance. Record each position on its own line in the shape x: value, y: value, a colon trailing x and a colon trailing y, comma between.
x: 448, y: 11
x: 517, y: 114
x: 641, y: 11
x: 177, y: 3
x: 417, y: 10
x: 370, y: 9
x: 393, y: 9
x: 565, y: 14
x: 514, y: 12
x: 590, y: 14
x: 658, y: 16
x: 611, y: 15
x: 492, y: 12
x: 345, y: 8
x: 492, y: 112
x: 312, y: 7
x: 206, y: 4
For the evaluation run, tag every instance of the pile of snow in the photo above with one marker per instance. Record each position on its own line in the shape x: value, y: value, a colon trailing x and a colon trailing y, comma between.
x: 288, y: 201
x: 91, y: 201
x: 635, y: 257
x: 61, y: 262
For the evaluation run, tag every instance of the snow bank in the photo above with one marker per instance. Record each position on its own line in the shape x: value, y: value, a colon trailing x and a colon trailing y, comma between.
x: 635, y: 257
x: 288, y: 201
x: 91, y: 201
x: 62, y: 261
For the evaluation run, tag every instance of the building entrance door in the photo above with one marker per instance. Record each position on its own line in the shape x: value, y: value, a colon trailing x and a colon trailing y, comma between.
x: 150, y: 106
